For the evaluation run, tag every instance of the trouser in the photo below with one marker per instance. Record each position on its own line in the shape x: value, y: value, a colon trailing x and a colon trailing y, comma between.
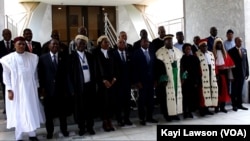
x: 19, y: 133
x: 3, y: 90
x: 236, y: 95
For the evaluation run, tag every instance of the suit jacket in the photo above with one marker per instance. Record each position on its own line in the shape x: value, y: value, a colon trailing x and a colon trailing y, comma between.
x: 241, y: 69
x: 157, y: 43
x: 124, y: 69
x: 4, y: 51
x: 210, y: 43
x: 194, y: 49
x: 36, y: 48
x: 55, y: 82
x: 142, y: 71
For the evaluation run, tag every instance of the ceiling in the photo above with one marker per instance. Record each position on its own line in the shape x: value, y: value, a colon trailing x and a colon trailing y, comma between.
x: 93, y: 2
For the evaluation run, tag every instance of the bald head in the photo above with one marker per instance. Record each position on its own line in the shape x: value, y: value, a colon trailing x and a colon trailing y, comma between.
x: 238, y: 41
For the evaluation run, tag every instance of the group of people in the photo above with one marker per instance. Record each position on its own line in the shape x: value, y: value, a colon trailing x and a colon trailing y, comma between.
x: 56, y: 81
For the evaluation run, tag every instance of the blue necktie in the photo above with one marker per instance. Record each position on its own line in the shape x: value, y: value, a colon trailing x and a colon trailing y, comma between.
x: 123, y: 58
x: 54, y: 61
x: 147, y: 56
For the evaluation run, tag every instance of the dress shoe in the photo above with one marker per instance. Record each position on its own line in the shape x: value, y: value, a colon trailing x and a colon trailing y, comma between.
x: 223, y: 110
x: 120, y: 123
x: 142, y: 122
x: 167, y: 118
x: 65, y: 133
x: 216, y: 109
x: 235, y: 109
x: 91, y: 131
x: 242, y: 108
x: 49, y: 136
x: 4, y: 112
x: 81, y: 132
x: 152, y: 120
x: 33, y: 139
x: 128, y: 122
x: 105, y: 126
x: 111, y: 127
x: 19, y: 140
x: 174, y: 117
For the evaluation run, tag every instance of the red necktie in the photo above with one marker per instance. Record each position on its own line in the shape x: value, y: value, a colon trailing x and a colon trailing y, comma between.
x: 29, y: 46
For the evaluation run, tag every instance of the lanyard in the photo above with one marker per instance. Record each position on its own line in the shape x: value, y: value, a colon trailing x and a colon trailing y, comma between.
x: 82, y: 58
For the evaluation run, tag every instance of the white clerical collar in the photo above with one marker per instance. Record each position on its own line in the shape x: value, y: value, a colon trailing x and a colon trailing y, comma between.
x: 80, y: 52
x: 121, y: 51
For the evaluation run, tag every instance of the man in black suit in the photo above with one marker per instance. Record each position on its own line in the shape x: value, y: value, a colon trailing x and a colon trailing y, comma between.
x: 211, y: 38
x: 143, y: 35
x: 159, y: 42
x: 6, y: 46
x: 123, y: 36
x: 53, y: 69
x: 143, y: 74
x: 195, y: 46
x: 62, y: 47
x: 31, y: 46
x: 122, y: 58
x: 240, y: 73
x: 84, y: 84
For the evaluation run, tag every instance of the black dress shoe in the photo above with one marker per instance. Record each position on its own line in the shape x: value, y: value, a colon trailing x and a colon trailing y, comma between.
x: 235, y: 109
x: 4, y: 112
x: 65, y: 133
x: 91, y: 131
x: 33, y: 139
x: 216, y: 109
x: 143, y: 122
x: 19, y: 140
x: 120, y: 123
x: 152, y: 120
x: 49, y: 136
x: 81, y: 132
x: 174, y: 117
x: 167, y: 118
x: 128, y: 122
x: 223, y: 110
x: 242, y: 108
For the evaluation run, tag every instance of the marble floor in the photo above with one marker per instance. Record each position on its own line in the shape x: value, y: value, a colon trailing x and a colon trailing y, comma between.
x: 139, y: 132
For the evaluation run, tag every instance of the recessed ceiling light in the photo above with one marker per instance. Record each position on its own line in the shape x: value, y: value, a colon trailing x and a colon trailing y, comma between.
x: 59, y: 8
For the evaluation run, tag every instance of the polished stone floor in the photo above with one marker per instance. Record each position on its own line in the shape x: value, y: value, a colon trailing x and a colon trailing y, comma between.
x: 139, y: 132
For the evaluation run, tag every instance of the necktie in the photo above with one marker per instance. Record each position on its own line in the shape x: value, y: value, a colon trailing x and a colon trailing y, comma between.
x: 240, y: 52
x: 29, y: 46
x: 7, y: 45
x: 147, y: 56
x: 54, y: 61
x: 123, y: 58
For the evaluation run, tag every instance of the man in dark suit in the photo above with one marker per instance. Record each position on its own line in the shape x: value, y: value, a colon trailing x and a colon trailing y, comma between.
x: 159, y: 42
x: 195, y: 46
x: 84, y: 84
x: 62, y: 47
x: 143, y: 35
x: 143, y: 62
x: 31, y: 46
x: 122, y: 58
x: 6, y: 46
x: 211, y: 38
x: 53, y: 71
x: 123, y: 36
x: 240, y: 73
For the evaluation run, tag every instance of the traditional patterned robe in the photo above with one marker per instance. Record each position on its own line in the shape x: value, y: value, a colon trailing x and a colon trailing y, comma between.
x: 173, y: 88
x: 209, y: 88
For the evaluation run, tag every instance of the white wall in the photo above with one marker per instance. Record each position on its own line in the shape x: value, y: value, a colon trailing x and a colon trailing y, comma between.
x: 200, y: 15
x: 2, y: 17
x: 41, y: 23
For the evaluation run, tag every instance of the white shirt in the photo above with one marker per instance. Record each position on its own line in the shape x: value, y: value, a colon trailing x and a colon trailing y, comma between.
x: 179, y: 46
x: 105, y: 52
x: 208, y: 58
x: 85, y: 66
